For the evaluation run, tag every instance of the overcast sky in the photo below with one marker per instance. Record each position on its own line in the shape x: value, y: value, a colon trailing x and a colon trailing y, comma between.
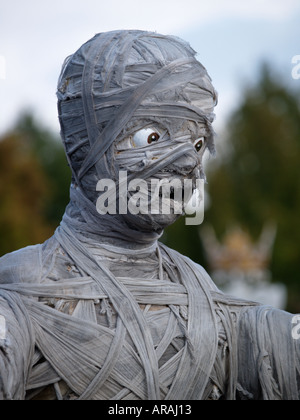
x: 232, y: 38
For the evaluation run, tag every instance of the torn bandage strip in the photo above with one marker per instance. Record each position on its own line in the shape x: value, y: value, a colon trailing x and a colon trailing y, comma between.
x: 2, y: 328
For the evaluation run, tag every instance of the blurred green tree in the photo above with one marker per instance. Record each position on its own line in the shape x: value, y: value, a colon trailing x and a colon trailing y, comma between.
x: 48, y: 150
x: 256, y: 179
x: 34, y: 184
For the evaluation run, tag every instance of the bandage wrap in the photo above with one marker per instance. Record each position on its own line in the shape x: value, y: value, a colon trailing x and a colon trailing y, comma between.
x: 120, y: 76
x: 117, y: 82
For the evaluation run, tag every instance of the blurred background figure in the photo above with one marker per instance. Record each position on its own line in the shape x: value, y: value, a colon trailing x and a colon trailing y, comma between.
x: 241, y: 267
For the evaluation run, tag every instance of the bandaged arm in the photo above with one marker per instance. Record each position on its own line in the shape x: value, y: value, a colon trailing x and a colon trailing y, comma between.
x: 269, y: 355
x: 16, y: 346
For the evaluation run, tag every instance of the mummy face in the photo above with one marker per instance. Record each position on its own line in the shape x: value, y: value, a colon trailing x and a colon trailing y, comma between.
x: 170, y: 163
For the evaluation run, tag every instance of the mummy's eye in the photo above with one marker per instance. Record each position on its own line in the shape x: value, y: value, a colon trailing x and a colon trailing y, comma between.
x: 199, y: 144
x: 144, y: 137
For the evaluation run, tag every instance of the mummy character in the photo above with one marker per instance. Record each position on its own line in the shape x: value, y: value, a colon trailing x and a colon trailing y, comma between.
x: 103, y: 310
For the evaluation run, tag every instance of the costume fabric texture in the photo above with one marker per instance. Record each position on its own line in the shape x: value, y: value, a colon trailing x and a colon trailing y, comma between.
x: 103, y: 310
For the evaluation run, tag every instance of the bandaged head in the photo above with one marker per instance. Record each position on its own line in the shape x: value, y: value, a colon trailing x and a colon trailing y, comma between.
x: 138, y: 102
